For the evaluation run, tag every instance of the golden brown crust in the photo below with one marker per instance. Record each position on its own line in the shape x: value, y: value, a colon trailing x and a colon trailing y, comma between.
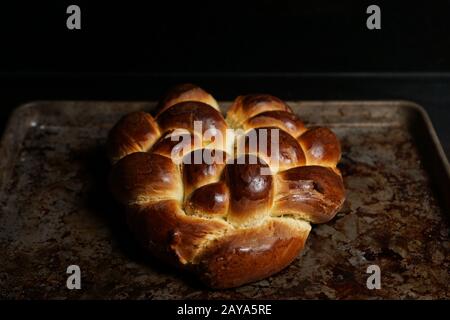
x: 251, y: 254
x: 284, y: 120
x: 251, y: 191
x: 281, y: 151
x: 134, y: 132
x: 211, y: 200
x: 230, y: 215
x: 245, y: 107
x: 201, y: 167
x: 195, y: 117
x: 321, y: 147
x: 142, y: 177
x: 186, y: 92
x: 175, y: 144
x: 165, y: 230
x: 313, y: 193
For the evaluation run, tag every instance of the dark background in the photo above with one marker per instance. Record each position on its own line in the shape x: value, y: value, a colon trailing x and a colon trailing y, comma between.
x: 227, y: 36
x: 295, y: 49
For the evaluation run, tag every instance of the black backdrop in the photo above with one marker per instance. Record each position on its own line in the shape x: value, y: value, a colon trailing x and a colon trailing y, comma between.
x: 226, y: 36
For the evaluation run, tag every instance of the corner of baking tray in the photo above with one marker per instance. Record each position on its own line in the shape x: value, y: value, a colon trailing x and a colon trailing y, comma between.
x: 413, y: 105
x: 426, y: 118
x: 36, y: 104
x: 25, y: 108
x: 17, y: 115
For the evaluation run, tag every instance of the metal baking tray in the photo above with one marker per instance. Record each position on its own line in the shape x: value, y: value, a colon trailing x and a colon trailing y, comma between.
x: 56, y: 211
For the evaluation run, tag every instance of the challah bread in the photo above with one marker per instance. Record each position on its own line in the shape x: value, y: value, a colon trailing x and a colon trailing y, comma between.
x: 209, y: 201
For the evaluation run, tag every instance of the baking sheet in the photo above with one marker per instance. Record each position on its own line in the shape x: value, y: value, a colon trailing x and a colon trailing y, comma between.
x: 56, y: 211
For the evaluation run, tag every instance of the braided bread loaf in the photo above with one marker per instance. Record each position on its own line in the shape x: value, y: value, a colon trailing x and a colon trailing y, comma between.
x: 241, y: 216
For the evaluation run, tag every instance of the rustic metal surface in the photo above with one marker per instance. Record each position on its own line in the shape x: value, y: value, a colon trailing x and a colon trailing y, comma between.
x: 56, y: 211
